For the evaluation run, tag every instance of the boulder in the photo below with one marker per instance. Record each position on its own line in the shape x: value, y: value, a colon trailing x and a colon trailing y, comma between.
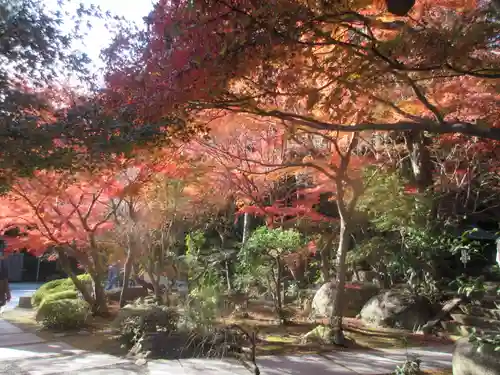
x: 355, y: 296
x: 396, y: 309
x: 131, y: 293
x: 469, y: 359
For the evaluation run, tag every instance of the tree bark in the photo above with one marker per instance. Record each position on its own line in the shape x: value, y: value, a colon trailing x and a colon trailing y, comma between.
x: 228, y: 279
x: 246, y: 227
x: 126, y: 276
x: 325, y: 260
x: 420, y: 158
x: 65, y: 265
x: 101, y: 304
x: 338, y: 303
x: 278, y: 290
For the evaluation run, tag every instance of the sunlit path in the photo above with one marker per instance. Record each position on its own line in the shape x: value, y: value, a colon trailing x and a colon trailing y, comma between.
x: 27, y: 354
x: 20, y: 290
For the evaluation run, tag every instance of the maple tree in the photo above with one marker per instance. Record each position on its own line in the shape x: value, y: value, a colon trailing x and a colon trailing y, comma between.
x: 68, y: 211
x: 141, y: 217
x: 246, y: 57
x: 258, y: 154
x: 322, y: 69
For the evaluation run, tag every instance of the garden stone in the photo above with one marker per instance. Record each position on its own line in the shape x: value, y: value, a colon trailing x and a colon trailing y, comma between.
x: 469, y: 359
x: 25, y: 302
x: 355, y: 297
x: 395, y: 309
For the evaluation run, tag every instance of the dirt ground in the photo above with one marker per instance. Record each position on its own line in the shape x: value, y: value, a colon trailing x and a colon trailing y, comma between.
x: 285, y: 339
x: 272, y: 338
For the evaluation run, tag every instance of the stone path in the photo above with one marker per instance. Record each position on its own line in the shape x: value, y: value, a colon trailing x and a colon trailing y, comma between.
x: 24, y: 353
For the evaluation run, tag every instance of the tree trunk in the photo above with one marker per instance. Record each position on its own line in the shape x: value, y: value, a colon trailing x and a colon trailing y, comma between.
x: 101, y: 304
x: 421, y: 164
x: 325, y: 261
x: 338, y: 303
x: 80, y: 286
x: 279, y: 291
x: 126, y: 276
x: 228, y: 280
x: 246, y: 227
x: 155, y: 283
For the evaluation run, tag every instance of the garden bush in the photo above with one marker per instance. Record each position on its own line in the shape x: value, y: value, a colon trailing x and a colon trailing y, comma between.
x: 65, y: 294
x: 63, y: 314
x: 56, y: 286
x: 138, y: 319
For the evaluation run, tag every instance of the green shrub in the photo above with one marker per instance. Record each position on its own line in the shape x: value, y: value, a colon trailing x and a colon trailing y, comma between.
x: 45, y: 289
x: 65, y: 294
x: 56, y: 286
x: 134, y: 320
x: 63, y: 314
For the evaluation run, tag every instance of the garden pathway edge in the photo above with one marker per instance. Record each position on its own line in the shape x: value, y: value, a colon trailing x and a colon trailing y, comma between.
x: 23, y: 353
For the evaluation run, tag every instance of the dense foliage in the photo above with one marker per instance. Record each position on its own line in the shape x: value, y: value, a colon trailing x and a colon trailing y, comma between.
x: 246, y: 147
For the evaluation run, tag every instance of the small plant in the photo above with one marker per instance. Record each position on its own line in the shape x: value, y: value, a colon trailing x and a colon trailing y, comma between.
x: 410, y: 367
x: 470, y: 287
x: 489, y: 340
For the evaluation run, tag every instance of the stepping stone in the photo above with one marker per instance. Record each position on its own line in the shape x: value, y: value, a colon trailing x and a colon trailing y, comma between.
x: 37, y: 351
x: 25, y: 302
x: 69, y: 364
x: 8, y: 329
x: 9, y: 340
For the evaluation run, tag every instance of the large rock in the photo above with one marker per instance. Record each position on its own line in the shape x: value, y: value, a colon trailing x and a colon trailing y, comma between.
x: 355, y: 297
x: 131, y: 293
x: 395, y: 309
x: 469, y: 359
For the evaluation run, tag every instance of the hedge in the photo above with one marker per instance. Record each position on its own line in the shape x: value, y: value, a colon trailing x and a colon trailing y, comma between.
x: 56, y: 286
x: 63, y: 314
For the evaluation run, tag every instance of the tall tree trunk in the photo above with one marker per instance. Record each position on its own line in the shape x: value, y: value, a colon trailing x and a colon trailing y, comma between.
x: 338, y: 303
x: 228, y: 279
x: 101, y: 304
x: 420, y: 158
x: 421, y: 164
x: 246, y: 227
x: 279, y: 291
x: 325, y: 255
x: 126, y: 276
x: 80, y: 286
